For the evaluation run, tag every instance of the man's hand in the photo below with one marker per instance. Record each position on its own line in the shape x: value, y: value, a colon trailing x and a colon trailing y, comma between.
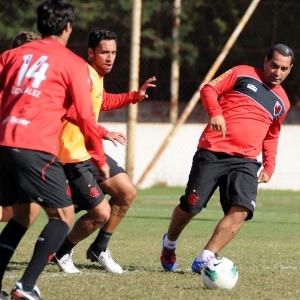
x: 115, y: 137
x: 142, y: 91
x: 103, y: 172
x: 218, y: 123
x: 263, y: 177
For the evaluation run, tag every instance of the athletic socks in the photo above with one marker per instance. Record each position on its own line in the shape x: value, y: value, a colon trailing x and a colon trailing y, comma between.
x: 205, y: 255
x: 47, y: 243
x: 66, y: 247
x: 101, y: 242
x: 10, y: 237
x: 169, y: 244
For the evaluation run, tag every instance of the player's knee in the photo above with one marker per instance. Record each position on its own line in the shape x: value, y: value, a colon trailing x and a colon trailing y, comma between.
x: 124, y: 199
x: 130, y: 196
x: 101, y: 217
x: 240, y: 213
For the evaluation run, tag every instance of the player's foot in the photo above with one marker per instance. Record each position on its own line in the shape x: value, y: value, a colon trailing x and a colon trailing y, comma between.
x: 105, y: 259
x: 18, y: 293
x: 3, y: 295
x: 198, y: 266
x: 168, y: 258
x: 66, y: 264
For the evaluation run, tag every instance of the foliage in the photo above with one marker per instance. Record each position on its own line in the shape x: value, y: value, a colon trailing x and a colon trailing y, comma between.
x: 205, y: 28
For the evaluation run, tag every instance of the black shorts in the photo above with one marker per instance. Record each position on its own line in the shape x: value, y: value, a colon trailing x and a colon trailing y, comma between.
x: 32, y: 176
x: 84, y: 182
x: 235, y: 176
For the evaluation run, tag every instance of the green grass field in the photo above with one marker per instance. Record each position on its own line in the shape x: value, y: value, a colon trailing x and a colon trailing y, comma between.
x: 266, y: 253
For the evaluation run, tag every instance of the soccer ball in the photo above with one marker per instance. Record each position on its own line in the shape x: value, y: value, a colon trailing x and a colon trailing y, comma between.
x: 220, y: 273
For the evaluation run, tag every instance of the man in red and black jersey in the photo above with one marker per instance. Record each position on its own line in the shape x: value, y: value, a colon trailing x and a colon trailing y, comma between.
x: 39, y: 81
x: 246, y: 106
x: 20, y: 39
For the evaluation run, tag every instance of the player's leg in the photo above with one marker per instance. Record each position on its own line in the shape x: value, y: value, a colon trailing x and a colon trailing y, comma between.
x: 13, y: 232
x: 238, y: 191
x: 51, y: 237
x: 83, y: 227
x: 200, y: 187
x: 25, y: 220
x: 227, y: 228
x: 51, y: 191
x: 87, y: 195
x: 5, y: 213
x: 122, y: 193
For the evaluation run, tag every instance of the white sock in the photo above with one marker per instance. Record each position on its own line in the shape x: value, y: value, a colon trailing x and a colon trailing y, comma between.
x: 169, y: 244
x: 205, y: 255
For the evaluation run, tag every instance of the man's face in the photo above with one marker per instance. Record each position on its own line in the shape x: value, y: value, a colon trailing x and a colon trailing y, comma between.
x: 103, y: 57
x: 277, y: 69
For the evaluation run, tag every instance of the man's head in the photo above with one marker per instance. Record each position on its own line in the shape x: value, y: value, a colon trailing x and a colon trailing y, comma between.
x: 53, y: 17
x: 278, y: 63
x: 102, y: 50
x: 24, y: 37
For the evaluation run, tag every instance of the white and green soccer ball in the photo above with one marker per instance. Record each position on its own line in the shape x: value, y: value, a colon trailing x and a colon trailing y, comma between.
x: 220, y: 273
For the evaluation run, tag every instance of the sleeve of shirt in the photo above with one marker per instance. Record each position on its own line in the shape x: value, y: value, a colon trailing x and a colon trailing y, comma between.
x: 80, y: 93
x: 71, y: 115
x: 102, y: 131
x: 269, y: 147
x: 213, y: 90
x: 117, y: 101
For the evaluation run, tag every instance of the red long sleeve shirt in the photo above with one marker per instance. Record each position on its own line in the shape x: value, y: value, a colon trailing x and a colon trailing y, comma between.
x: 253, y: 112
x: 39, y: 81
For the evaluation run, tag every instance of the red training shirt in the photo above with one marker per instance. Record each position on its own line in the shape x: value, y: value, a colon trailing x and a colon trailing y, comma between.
x: 39, y: 81
x: 253, y: 111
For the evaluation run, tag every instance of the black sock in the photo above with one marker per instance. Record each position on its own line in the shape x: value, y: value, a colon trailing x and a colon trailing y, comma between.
x: 10, y: 237
x: 48, y: 242
x: 101, y: 241
x: 66, y: 247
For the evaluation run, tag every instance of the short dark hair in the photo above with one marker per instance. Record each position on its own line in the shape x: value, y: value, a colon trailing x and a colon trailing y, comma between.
x: 24, y: 37
x: 283, y: 50
x: 97, y: 35
x: 53, y: 17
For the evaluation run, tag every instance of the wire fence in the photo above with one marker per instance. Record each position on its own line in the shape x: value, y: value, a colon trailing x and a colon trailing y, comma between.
x: 272, y: 22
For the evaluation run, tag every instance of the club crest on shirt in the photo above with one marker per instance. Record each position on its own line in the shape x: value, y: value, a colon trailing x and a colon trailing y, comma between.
x: 277, y: 108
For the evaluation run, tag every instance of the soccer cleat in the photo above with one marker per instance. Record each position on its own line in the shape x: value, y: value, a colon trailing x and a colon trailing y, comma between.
x: 198, y: 266
x: 168, y: 258
x: 105, y: 259
x: 3, y: 295
x: 66, y: 264
x: 18, y: 293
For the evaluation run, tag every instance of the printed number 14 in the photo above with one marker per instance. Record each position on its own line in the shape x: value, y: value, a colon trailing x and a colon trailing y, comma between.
x: 33, y: 72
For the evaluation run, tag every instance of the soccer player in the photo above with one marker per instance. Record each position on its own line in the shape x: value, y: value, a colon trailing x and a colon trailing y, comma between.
x: 22, y: 38
x: 88, y: 191
x: 246, y: 106
x: 39, y: 81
